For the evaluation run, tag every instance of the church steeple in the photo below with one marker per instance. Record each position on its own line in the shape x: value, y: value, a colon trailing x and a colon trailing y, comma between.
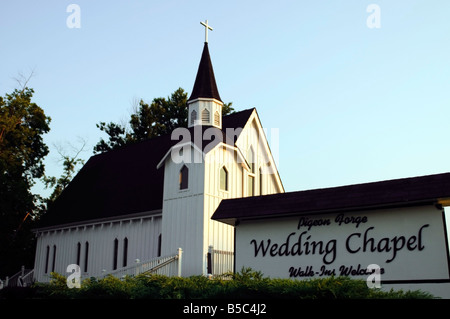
x: 205, y: 105
x: 205, y: 83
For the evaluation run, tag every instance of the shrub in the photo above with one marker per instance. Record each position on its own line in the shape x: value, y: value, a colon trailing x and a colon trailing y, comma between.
x: 244, y: 284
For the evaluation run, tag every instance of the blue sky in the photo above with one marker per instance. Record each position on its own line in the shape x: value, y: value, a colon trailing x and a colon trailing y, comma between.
x: 352, y: 104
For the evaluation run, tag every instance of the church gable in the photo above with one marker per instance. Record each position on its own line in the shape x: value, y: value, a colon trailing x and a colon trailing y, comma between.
x: 262, y: 174
x: 235, y: 161
x: 243, y: 167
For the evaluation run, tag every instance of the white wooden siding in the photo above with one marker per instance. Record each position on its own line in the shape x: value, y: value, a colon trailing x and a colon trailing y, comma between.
x: 182, y: 222
x: 142, y: 234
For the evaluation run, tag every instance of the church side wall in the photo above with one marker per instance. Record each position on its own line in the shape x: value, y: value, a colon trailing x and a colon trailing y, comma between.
x: 98, y: 239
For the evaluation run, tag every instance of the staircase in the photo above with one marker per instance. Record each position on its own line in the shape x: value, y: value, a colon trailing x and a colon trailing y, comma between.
x: 167, y: 265
x: 23, y: 278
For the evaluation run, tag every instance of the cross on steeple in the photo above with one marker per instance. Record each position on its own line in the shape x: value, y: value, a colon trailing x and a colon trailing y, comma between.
x: 205, y: 24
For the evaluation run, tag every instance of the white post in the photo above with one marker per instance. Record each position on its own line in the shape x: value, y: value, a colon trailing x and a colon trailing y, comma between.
x: 138, y: 270
x: 180, y: 255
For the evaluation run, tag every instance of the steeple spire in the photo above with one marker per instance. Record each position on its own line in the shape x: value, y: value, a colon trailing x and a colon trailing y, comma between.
x: 205, y: 105
x: 205, y: 83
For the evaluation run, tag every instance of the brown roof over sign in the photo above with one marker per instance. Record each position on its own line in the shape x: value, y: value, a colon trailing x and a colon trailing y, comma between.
x: 422, y: 190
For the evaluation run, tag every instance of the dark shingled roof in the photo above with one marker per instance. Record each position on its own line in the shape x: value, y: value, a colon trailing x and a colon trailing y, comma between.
x: 205, y: 82
x: 391, y: 193
x: 123, y: 181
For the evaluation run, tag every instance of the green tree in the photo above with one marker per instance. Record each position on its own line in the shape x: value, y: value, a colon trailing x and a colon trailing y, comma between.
x: 160, y: 117
x: 22, y: 151
x: 69, y: 162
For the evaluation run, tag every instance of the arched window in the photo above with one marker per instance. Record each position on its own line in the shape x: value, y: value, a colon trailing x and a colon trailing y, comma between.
x: 125, y: 252
x: 184, y: 177
x: 193, y: 117
x: 223, y: 178
x: 260, y: 181
x: 251, y: 174
x: 159, y: 245
x: 116, y: 253
x: 86, y: 256
x: 54, y: 258
x: 216, y: 118
x: 205, y: 116
x: 251, y: 160
x: 78, y: 253
x: 251, y: 185
x: 47, y: 256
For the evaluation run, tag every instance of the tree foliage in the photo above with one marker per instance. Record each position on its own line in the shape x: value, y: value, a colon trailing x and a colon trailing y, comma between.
x: 69, y: 163
x: 22, y: 151
x: 160, y: 117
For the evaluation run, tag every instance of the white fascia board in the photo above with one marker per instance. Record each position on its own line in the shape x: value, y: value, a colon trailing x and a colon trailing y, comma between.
x: 176, y: 147
x: 86, y: 223
x: 236, y: 149
x: 205, y: 99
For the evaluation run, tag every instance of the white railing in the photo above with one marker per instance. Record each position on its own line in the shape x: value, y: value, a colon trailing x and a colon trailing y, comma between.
x: 219, y: 262
x: 166, y: 265
x: 23, y: 278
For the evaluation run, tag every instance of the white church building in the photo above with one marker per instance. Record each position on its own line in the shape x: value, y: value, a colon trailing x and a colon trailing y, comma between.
x: 144, y: 201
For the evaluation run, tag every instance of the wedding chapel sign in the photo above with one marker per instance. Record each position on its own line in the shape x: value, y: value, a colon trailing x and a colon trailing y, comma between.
x: 409, y: 245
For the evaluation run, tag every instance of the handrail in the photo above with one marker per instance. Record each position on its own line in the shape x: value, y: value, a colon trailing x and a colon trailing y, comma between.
x: 27, y: 278
x: 20, y: 279
x: 161, y: 265
x: 151, y: 265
